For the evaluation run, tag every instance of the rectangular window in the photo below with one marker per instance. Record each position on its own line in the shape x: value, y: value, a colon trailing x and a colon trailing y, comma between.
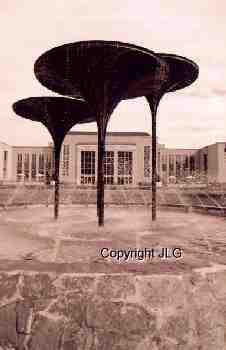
x: 49, y: 162
x: 33, y: 166
x: 5, y: 163
x: 41, y: 164
x: 171, y: 165
x: 158, y: 164
x: 125, y: 168
x: 178, y: 165
x: 205, y: 162
x: 19, y: 167
x: 192, y: 164
x: 65, y: 162
x: 186, y: 162
x: 41, y: 167
x: 26, y: 166
x: 183, y: 164
x: 164, y: 162
x: 87, y: 167
x: 147, y: 166
x: 164, y: 167
x: 109, y: 168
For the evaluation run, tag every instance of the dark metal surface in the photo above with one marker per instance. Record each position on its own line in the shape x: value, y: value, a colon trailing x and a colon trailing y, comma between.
x: 59, y: 115
x: 105, y: 72
x: 102, y: 73
x: 178, y: 73
x: 181, y: 73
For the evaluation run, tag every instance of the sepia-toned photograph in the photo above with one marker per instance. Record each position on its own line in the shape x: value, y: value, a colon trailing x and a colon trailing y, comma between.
x: 112, y: 175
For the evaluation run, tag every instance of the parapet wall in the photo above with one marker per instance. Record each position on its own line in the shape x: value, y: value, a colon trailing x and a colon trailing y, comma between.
x: 63, y: 311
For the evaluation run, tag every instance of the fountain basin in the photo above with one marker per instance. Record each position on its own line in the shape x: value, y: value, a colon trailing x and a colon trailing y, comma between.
x: 59, y: 292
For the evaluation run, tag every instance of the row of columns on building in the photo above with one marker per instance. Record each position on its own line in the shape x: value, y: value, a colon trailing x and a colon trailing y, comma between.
x: 162, y: 159
x: 27, y: 164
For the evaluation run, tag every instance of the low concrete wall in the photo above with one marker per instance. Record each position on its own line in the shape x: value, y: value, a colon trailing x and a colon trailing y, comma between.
x: 61, y: 311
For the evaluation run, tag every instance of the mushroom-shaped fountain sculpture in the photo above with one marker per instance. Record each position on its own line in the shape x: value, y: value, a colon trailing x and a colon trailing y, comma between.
x: 59, y: 115
x: 101, y: 73
x: 182, y: 72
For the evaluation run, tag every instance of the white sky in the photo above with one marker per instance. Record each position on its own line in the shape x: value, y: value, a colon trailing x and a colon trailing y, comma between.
x: 193, y: 117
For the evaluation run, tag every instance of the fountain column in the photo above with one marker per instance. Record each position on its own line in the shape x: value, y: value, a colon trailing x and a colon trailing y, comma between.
x: 59, y: 115
x: 57, y: 149
x: 153, y: 103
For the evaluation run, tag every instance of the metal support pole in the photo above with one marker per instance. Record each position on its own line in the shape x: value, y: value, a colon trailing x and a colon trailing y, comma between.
x: 153, y: 103
x: 56, y: 179
x: 154, y: 163
x: 100, y: 174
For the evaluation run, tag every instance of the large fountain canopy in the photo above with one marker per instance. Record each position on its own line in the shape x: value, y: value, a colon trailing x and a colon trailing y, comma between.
x: 137, y: 70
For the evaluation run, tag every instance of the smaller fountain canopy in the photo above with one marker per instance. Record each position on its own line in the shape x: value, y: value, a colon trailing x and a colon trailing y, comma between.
x: 181, y: 72
x: 59, y: 115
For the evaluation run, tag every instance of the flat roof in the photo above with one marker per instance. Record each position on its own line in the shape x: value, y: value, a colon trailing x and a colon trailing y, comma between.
x: 116, y: 133
x: 5, y: 144
x: 181, y: 149
x: 48, y: 146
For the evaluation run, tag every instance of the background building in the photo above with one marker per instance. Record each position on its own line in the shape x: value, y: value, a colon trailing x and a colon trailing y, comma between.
x: 127, y: 161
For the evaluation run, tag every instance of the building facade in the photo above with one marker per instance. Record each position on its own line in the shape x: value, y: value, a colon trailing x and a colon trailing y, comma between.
x: 32, y: 164
x: 212, y: 161
x: 127, y: 161
x: 6, y: 163
x: 124, y: 158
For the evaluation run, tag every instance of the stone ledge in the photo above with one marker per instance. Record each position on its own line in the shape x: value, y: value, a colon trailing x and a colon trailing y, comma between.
x: 50, y: 311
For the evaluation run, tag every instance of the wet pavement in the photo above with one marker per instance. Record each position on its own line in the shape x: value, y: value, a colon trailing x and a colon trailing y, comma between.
x: 129, y: 242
